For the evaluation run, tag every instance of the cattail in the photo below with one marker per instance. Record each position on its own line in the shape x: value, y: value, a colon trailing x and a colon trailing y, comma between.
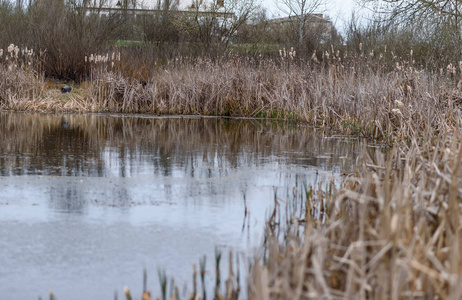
x: 127, y: 293
x: 314, y: 55
x: 394, y: 223
x: 292, y: 53
x: 451, y: 69
x: 360, y: 46
x: 399, y: 103
x: 11, y: 48
x: 397, y: 112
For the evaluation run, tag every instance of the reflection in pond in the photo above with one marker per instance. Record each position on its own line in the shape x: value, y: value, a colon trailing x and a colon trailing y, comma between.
x: 78, y: 145
x: 89, y: 200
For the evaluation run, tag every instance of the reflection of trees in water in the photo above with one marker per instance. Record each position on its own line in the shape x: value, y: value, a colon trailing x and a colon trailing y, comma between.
x: 48, y: 145
x: 74, y: 197
x: 67, y: 198
x: 91, y: 145
x: 197, y: 150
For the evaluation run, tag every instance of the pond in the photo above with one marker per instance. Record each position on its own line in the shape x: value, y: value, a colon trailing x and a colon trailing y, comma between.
x: 88, y: 201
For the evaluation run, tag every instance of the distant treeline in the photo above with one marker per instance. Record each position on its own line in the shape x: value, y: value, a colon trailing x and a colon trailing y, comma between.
x: 64, y: 32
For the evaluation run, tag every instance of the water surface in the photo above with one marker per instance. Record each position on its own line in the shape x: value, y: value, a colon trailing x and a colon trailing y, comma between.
x: 88, y: 201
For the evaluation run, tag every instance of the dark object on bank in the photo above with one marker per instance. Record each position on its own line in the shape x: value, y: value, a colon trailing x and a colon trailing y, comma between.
x: 65, y: 123
x: 66, y: 89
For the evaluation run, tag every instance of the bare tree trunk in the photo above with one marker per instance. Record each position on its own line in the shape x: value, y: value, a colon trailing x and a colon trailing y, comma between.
x: 301, y: 33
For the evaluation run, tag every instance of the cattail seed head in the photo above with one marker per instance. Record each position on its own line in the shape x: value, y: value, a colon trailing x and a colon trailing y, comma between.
x: 397, y: 112
x: 399, y: 103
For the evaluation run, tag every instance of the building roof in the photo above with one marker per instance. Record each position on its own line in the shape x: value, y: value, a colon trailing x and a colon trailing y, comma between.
x: 318, y: 18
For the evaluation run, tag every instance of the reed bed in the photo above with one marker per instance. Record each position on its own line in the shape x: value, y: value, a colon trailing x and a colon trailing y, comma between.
x: 392, y: 231
x: 356, y: 97
x: 357, y: 94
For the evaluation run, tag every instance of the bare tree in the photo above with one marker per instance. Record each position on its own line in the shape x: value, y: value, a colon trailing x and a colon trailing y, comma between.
x: 68, y: 30
x: 300, y: 13
x: 160, y: 27
x: 217, y: 21
x: 441, y: 19
x: 418, y: 9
